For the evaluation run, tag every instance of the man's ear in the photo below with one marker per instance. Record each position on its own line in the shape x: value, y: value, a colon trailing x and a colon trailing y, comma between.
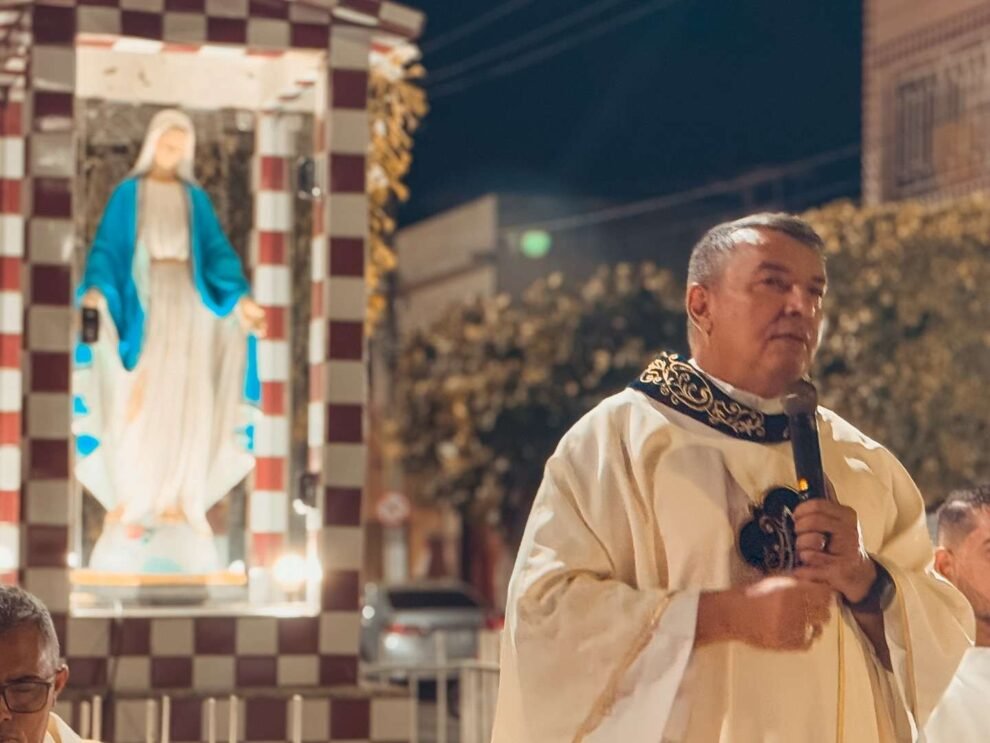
x: 61, y: 678
x: 945, y: 563
x: 698, y: 307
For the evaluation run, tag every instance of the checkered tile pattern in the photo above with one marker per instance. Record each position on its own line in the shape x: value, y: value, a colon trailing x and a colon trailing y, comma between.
x: 217, y: 654
x: 259, y: 718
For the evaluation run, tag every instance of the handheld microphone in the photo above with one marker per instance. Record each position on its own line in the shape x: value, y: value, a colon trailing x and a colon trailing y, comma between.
x: 801, y: 404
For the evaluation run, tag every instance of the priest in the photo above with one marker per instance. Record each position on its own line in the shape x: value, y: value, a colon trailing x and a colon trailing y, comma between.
x: 633, y: 614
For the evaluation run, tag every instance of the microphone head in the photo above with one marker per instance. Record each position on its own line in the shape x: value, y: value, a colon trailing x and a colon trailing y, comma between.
x: 801, y: 398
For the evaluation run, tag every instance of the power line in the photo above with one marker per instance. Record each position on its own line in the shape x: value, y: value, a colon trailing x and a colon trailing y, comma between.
x: 466, y: 29
x: 546, y: 52
x: 715, y: 188
x: 534, y: 36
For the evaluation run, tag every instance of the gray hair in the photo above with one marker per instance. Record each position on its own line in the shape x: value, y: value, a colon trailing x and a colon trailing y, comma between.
x: 18, y: 607
x: 956, y: 515
x: 710, y: 252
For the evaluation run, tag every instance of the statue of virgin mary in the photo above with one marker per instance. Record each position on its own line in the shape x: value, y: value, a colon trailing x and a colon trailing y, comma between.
x: 162, y: 398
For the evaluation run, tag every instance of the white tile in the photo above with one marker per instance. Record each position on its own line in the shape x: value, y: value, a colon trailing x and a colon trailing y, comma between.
x: 10, y: 390
x: 53, y: 154
x: 350, y: 48
x: 401, y: 15
x: 269, y: 511
x: 273, y: 286
x: 318, y: 259
x: 11, y: 235
x: 53, y: 68
x: 11, y: 309
x: 11, y: 157
x: 273, y: 211
x: 346, y: 298
x: 227, y: 8
x: 87, y: 638
x: 213, y: 673
x: 50, y: 328
x: 276, y: 136
x: 50, y: 585
x: 10, y: 550
x: 272, y: 437
x: 316, y: 424
x: 49, y: 502
x: 340, y: 632
x: 345, y: 382
x: 348, y: 132
x: 273, y: 361
x: 256, y: 636
x: 390, y: 718
x: 316, y: 720
x: 97, y: 20
x: 348, y: 215
x: 134, y: 673
x: 317, y: 341
x: 294, y: 670
x: 185, y: 27
x: 268, y: 33
x: 49, y: 415
x: 344, y: 465
x: 306, y: 14
x: 52, y: 241
x: 341, y: 547
x: 150, y: 6
x: 171, y: 637
x: 10, y: 468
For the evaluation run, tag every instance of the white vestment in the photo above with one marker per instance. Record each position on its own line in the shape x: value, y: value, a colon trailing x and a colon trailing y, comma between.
x: 639, y: 511
x: 963, y: 714
x: 59, y: 731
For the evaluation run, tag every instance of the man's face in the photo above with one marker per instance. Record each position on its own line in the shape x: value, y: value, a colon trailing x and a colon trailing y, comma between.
x: 763, y: 313
x: 967, y: 565
x: 24, y: 658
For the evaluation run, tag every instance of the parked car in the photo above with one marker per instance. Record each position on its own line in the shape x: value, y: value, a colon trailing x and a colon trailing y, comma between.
x: 400, y: 624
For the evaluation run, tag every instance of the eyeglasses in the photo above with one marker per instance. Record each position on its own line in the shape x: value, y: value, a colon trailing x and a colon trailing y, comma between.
x: 25, y: 697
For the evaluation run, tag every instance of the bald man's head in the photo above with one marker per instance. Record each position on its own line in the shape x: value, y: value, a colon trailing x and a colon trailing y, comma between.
x: 960, y: 513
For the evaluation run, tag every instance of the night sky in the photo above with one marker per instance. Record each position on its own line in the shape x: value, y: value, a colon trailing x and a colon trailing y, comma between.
x: 692, y: 91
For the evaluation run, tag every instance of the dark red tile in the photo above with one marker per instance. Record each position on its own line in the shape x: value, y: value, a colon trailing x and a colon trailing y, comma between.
x: 51, y: 285
x: 47, y: 546
x: 272, y: 250
x: 309, y: 36
x: 171, y: 673
x: 101, y: 3
x: 345, y: 424
x: 266, y: 548
x: 274, y: 173
x: 87, y: 672
x: 342, y: 507
x: 54, y: 25
x: 186, y: 720
x: 10, y: 273
x: 10, y: 350
x: 299, y: 635
x: 214, y: 635
x: 10, y: 435
x: 48, y: 104
x: 349, y: 89
x: 346, y: 256
x: 49, y: 461
x: 12, y: 119
x: 10, y: 506
x: 10, y: 195
x: 273, y: 393
x: 226, y: 30
x: 256, y: 671
x: 275, y: 317
x: 368, y: 7
x: 345, y: 340
x: 338, y: 670
x: 186, y: 6
x: 52, y: 197
x: 269, y: 473
x: 340, y: 590
x: 132, y: 636
x: 350, y: 719
x: 265, y: 719
x: 49, y: 371
x: 278, y: 9
x: 142, y: 24
x: 347, y: 173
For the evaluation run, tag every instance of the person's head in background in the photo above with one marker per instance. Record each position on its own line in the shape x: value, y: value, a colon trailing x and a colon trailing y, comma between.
x: 31, y: 672
x: 963, y: 551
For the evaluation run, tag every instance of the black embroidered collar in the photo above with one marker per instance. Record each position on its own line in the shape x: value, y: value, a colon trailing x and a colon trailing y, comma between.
x: 677, y: 384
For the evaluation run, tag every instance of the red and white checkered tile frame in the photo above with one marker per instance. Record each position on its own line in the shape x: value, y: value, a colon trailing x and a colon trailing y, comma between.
x: 273, y: 222
x: 204, y: 654
x: 12, y: 149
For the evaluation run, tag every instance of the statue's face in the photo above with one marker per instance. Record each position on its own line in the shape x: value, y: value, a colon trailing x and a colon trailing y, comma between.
x: 170, y: 150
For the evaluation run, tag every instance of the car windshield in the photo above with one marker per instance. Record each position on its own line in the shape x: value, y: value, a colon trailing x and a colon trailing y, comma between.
x: 432, y: 599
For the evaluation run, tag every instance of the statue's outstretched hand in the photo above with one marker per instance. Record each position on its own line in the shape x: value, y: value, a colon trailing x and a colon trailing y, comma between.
x: 251, y: 316
x: 92, y: 299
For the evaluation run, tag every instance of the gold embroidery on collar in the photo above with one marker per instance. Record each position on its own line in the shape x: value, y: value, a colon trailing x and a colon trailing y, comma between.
x: 683, y: 385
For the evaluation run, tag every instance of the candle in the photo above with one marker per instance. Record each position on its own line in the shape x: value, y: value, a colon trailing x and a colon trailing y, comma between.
x: 84, y: 720
x: 211, y: 720
x: 97, y: 717
x: 232, y: 724
x: 149, y: 721
x: 166, y: 718
x: 297, y: 718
